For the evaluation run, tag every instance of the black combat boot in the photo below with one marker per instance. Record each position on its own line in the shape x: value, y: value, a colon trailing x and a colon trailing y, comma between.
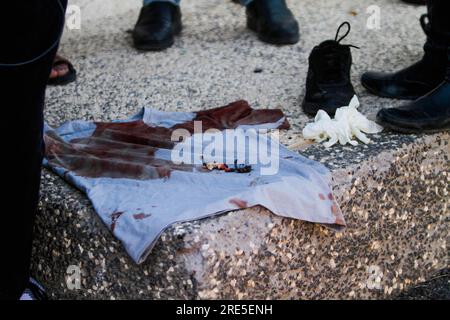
x: 430, y: 113
x: 328, y: 84
x: 273, y: 21
x: 423, y: 76
x: 157, y: 25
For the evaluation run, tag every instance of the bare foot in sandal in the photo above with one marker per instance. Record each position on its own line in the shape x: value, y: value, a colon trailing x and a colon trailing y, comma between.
x: 62, y: 72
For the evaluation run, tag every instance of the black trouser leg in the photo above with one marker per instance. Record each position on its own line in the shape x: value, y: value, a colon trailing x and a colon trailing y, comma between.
x: 439, y: 14
x: 27, y: 29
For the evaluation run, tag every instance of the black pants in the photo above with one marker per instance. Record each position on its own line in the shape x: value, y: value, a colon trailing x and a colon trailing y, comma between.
x: 27, y: 29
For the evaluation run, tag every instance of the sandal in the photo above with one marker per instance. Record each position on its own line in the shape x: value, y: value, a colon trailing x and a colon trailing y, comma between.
x: 69, y: 77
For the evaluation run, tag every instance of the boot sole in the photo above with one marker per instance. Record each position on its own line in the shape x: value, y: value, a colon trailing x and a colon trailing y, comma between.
x: 381, y: 95
x: 406, y: 130
x: 306, y: 106
x: 251, y: 24
x: 159, y: 46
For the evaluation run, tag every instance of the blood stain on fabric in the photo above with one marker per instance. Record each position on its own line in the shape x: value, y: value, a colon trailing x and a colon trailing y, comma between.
x: 141, y: 216
x: 340, y: 222
x: 127, y: 149
x: 114, y: 217
x: 334, y: 209
x: 239, y: 203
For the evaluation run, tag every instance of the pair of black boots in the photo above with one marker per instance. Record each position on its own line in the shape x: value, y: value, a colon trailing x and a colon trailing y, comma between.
x: 427, y: 82
x: 160, y: 22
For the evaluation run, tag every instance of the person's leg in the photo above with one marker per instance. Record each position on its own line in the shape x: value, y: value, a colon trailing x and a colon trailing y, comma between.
x: 423, y: 76
x: 27, y: 29
x: 272, y: 21
x: 431, y: 112
x: 158, y: 23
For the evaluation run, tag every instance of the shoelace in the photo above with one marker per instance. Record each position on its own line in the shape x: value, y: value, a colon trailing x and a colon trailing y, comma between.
x: 332, y: 59
x: 349, y: 28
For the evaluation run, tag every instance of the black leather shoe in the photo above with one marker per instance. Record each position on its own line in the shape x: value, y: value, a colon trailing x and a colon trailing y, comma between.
x: 328, y: 83
x: 428, y: 114
x: 272, y: 21
x: 156, y: 27
x: 414, y: 81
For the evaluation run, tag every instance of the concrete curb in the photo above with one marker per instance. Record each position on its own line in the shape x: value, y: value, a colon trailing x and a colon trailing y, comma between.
x: 395, y: 204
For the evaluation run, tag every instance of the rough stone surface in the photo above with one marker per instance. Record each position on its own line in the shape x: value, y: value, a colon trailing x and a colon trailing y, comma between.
x: 393, y: 192
x: 436, y: 288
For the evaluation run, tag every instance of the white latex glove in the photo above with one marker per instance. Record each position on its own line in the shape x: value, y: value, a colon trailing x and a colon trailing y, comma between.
x: 347, y: 124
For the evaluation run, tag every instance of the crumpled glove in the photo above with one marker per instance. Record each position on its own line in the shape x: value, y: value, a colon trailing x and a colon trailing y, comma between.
x: 347, y: 124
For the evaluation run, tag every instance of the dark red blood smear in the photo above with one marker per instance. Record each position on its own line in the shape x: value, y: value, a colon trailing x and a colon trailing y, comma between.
x: 127, y: 150
x: 330, y: 196
x: 100, y: 159
x: 340, y: 222
x: 334, y: 209
x: 114, y: 217
x: 141, y: 216
x: 239, y: 203
x: 236, y: 114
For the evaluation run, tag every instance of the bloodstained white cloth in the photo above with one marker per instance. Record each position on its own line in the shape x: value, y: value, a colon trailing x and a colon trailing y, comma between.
x: 126, y: 170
